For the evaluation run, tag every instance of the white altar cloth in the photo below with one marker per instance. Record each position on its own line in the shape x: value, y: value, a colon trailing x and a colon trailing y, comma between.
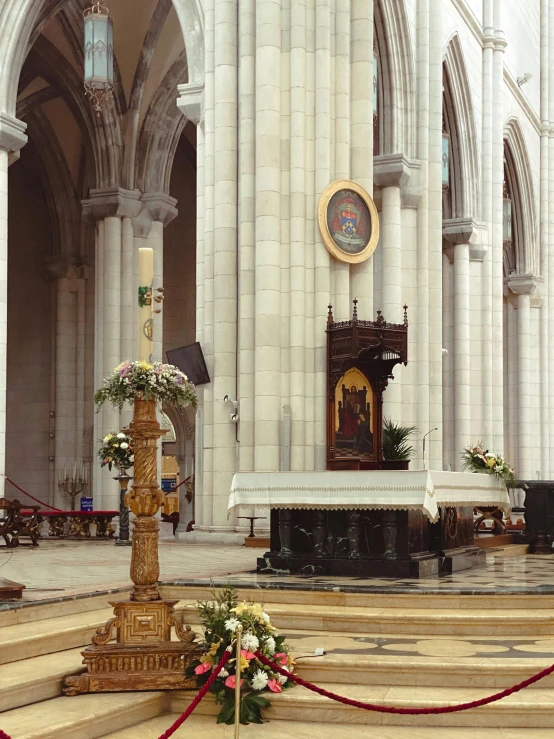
x: 424, y: 490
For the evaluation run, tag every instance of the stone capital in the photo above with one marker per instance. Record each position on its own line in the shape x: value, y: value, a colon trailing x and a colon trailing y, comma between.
x: 523, y: 284
x: 161, y: 207
x: 391, y: 170
x: 459, y: 231
x: 12, y: 134
x: 59, y: 268
x: 111, y: 202
x: 191, y: 101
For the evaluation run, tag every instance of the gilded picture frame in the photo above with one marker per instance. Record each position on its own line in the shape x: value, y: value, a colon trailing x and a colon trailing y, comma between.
x: 348, y: 222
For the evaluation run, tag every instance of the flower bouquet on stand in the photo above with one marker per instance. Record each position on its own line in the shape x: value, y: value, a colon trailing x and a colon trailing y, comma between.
x: 220, y: 618
x: 477, y: 459
x: 141, y: 381
x: 116, y: 451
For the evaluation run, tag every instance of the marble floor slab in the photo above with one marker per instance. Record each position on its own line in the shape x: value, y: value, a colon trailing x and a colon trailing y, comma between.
x: 528, y: 574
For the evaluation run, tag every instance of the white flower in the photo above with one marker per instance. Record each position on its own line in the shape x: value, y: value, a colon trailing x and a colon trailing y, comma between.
x: 105, y: 439
x: 270, y: 645
x: 121, y: 435
x: 132, y: 458
x: 224, y: 673
x: 260, y: 679
x: 124, y: 445
x: 282, y: 679
x: 250, y: 642
x: 231, y: 624
x: 265, y: 617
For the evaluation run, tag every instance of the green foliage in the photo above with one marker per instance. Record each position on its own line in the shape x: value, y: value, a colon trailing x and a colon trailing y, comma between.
x: 396, y: 446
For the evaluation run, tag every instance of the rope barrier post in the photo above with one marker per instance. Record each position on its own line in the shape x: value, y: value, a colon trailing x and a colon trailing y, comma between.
x: 237, y: 681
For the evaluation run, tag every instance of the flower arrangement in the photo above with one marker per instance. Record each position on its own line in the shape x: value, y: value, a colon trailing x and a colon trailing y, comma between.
x: 477, y: 459
x: 117, y: 449
x: 144, y: 381
x: 220, y: 618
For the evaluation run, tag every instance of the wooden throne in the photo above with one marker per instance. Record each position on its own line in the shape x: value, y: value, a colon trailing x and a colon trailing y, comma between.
x: 361, y: 356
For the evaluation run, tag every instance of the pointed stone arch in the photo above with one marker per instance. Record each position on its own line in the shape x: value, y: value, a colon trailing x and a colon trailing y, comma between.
x: 524, y: 218
x: 18, y: 18
x: 397, y: 81
x: 461, y: 126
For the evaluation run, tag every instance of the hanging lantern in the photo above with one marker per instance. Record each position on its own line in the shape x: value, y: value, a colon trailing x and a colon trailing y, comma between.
x: 98, y: 55
x: 506, y: 216
x: 375, y: 81
x: 445, y: 160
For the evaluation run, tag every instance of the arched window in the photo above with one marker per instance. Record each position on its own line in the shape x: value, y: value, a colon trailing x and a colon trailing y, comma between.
x: 512, y: 236
x: 452, y: 192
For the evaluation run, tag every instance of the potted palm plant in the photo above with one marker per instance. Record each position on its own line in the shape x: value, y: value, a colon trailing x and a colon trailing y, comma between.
x: 397, y: 450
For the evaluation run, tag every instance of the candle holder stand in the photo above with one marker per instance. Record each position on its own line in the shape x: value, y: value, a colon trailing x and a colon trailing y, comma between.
x: 143, y: 657
x: 123, y: 539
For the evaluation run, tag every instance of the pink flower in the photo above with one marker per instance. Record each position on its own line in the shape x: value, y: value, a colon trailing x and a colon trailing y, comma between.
x: 275, y: 686
x: 204, y: 667
x: 281, y: 659
x: 231, y: 682
x: 247, y: 655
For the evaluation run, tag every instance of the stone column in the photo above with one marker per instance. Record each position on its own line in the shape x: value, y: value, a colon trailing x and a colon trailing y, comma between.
x: 545, y: 440
x: 550, y: 251
x: 461, y: 234
x: 70, y: 371
x: 108, y: 209
x: 497, y: 230
x: 487, y: 169
x: 524, y: 286
x: 12, y: 139
x: 435, y: 233
x: 190, y: 103
x: 392, y: 174
x: 361, y: 134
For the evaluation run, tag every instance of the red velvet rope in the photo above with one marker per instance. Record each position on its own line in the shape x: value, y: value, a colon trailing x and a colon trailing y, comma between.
x: 406, y: 711
x: 3, y: 735
x: 181, y: 720
x: 36, y: 501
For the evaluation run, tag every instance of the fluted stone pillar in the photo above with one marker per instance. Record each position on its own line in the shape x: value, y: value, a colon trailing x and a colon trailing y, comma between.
x: 461, y: 234
x: 392, y: 174
x: 524, y: 286
x: 70, y: 371
x: 109, y: 209
x: 12, y: 139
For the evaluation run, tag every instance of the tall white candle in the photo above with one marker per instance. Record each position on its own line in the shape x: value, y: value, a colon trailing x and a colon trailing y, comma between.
x: 146, y: 277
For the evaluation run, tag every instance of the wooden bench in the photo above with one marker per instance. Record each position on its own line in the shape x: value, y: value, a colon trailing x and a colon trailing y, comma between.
x: 79, y: 523
x: 17, y: 520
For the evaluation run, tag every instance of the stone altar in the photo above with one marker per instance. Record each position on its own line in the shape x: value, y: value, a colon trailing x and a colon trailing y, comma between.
x: 374, y: 523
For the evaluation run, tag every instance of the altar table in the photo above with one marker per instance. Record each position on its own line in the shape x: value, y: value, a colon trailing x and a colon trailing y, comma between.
x: 384, y: 523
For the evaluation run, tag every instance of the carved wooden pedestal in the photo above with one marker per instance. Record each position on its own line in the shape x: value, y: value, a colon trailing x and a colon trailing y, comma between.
x: 143, y: 656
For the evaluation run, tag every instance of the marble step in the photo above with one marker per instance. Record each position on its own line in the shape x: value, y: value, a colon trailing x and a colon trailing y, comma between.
x: 461, y: 622
x: 532, y: 708
x: 390, y: 600
x: 204, y: 727
x: 37, y: 679
x: 40, y: 678
x: 27, y: 612
x: 24, y: 640
x: 83, y: 716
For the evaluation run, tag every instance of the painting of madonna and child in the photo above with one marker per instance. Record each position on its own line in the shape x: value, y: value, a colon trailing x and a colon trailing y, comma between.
x: 354, y: 417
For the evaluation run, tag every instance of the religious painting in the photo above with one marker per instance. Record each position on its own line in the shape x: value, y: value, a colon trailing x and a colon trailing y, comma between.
x: 348, y: 222
x: 354, y: 415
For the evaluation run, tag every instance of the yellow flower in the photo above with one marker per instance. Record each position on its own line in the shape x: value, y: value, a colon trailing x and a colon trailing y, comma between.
x: 206, y: 658
x: 491, y: 462
x: 145, y: 366
x: 244, y: 663
x: 214, y: 648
